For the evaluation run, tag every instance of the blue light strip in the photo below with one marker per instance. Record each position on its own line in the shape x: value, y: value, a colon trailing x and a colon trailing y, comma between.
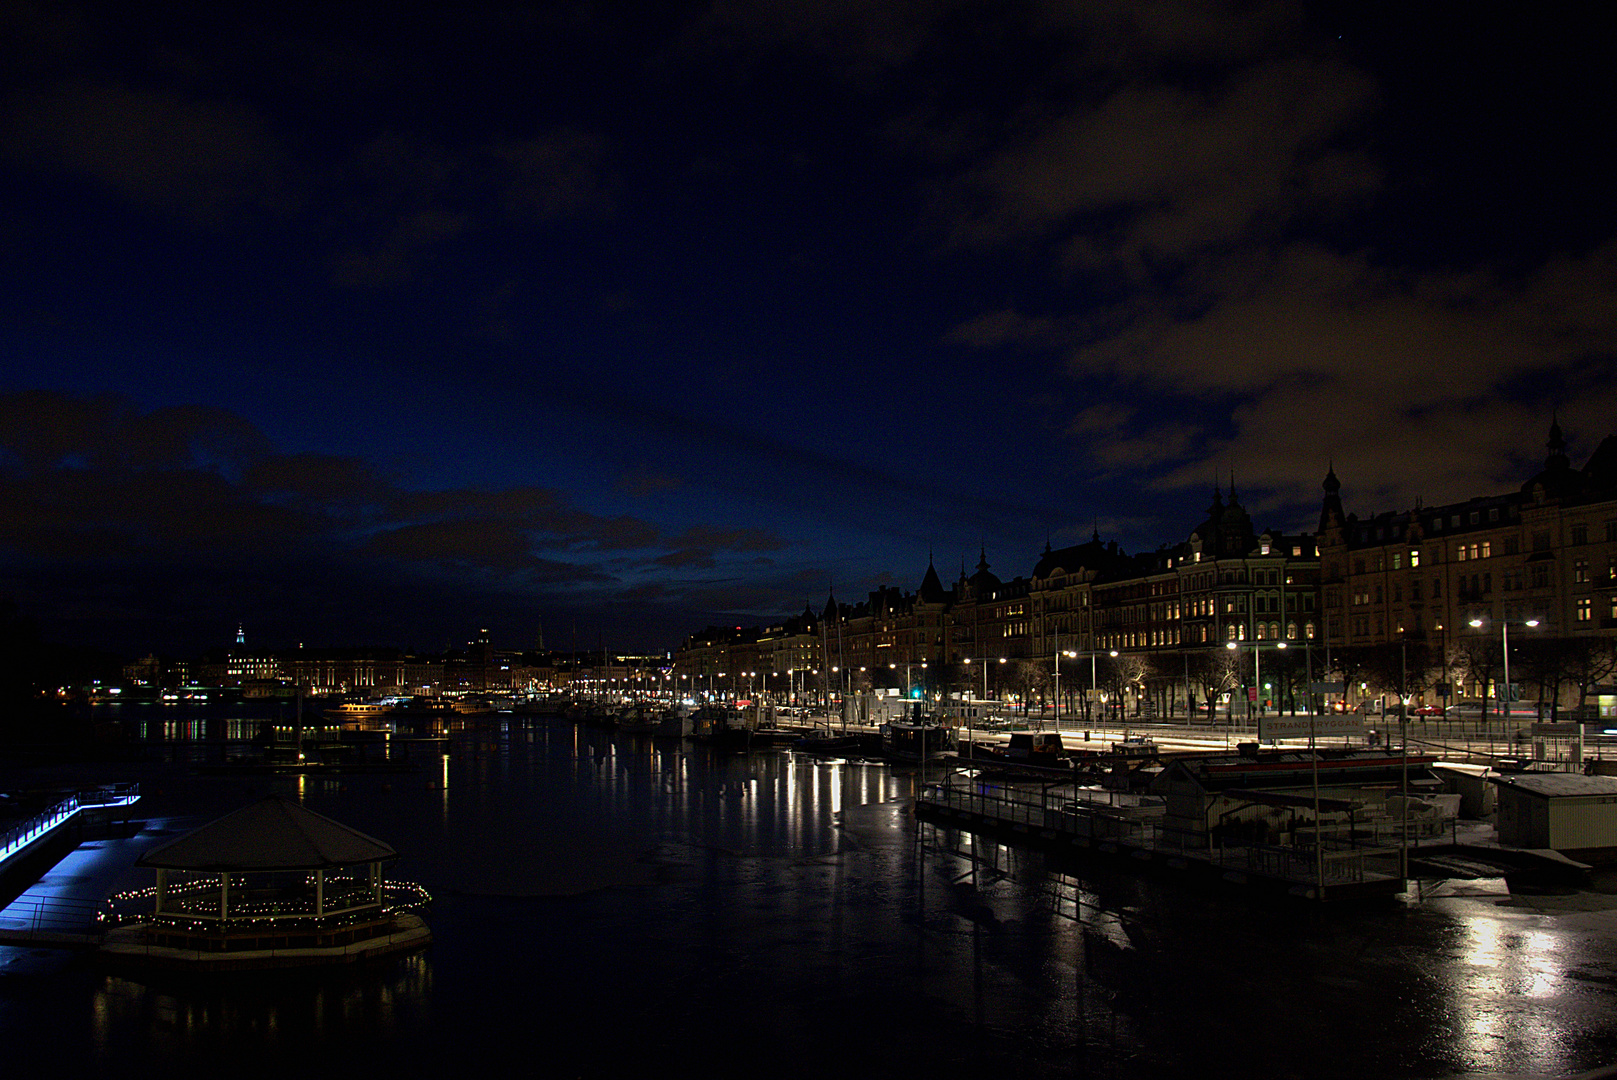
x: 24, y: 833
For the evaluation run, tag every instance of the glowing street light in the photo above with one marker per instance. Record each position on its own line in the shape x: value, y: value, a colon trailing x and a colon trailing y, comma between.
x: 1504, y: 647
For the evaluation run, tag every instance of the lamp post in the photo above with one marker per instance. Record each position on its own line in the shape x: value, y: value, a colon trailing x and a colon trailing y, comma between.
x: 1059, y: 655
x: 1257, y: 672
x: 1504, y: 648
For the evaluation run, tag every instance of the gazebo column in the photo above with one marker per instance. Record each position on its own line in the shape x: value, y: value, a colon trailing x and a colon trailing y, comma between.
x: 319, y: 893
x: 224, y: 898
x: 162, y: 890
x: 376, y: 883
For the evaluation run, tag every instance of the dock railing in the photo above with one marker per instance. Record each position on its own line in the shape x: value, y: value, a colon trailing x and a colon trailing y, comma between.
x: 18, y: 834
x: 1346, y: 855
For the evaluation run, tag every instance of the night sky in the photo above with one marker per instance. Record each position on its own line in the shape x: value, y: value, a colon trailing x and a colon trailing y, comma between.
x: 365, y: 327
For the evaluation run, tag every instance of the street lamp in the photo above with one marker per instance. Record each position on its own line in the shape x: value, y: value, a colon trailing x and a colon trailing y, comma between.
x: 1504, y: 648
x: 1059, y: 655
x: 1257, y: 670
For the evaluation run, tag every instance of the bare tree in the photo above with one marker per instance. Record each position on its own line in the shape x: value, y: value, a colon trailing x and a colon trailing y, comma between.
x: 1589, y: 662
x: 1214, y: 671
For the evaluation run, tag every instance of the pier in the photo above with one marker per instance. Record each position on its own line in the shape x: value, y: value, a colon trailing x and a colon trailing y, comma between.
x: 1071, y: 819
x: 32, y: 844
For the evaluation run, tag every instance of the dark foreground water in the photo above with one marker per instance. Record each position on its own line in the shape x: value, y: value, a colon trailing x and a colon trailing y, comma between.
x: 623, y: 907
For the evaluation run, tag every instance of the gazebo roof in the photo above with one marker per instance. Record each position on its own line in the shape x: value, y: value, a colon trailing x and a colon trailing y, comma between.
x: 274, y: 833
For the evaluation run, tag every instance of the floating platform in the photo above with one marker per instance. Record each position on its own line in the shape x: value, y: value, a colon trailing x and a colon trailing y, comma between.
x: 1126, y: 829
x: 134, y: 946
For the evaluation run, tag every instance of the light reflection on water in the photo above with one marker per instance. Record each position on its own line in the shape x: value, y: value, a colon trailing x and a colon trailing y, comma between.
x: 633, y: 904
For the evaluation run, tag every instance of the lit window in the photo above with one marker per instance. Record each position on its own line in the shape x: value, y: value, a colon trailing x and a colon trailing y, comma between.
x: 1585, y: 609
x: 1414, y: 557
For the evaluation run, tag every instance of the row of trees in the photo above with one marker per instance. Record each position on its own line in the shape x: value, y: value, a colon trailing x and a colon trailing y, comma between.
x: 1556, y: 671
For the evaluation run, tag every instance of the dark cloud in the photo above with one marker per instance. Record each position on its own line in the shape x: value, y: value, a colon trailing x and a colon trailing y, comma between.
x: 645, y: 480
x: 557, y: 174
x: 730, y: 539
x: 688, y: 558
x: 195, y: 156
x: 148, y: 514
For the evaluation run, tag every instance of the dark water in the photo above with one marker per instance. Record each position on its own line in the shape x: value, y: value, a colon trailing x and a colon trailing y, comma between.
x: 620, y: 907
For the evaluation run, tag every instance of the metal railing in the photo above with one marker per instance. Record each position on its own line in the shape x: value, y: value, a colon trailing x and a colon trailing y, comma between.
x: 16, y: 835
x: 37, y: 912
x: 1351, y: 855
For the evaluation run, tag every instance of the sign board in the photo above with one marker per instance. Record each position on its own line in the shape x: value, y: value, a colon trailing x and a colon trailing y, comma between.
x: 1328, y: 687
x: 1334, y: 725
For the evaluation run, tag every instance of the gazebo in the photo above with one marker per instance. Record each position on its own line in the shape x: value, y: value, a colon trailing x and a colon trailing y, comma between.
x: 273, y: 878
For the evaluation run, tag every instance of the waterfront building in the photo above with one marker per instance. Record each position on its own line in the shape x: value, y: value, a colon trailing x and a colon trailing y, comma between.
x: 1411, y: 600
x: 1447, y: 586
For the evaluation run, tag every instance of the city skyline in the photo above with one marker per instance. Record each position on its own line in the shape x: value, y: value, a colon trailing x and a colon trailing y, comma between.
x: 377, y: 330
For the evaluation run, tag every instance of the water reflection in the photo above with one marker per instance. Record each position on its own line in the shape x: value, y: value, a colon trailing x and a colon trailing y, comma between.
x: 641, y: 905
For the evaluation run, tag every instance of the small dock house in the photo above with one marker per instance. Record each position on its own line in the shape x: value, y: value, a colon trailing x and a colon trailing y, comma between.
x: 1573, y: 814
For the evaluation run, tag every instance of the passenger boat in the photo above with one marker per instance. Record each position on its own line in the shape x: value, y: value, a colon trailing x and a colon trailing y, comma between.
x: 360, y: 715
x: 720, y: 727
x: 825, y: 744
x: 903, y: 740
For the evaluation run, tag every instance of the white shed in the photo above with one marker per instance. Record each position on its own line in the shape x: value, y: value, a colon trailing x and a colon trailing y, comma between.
x: 1567, y: 812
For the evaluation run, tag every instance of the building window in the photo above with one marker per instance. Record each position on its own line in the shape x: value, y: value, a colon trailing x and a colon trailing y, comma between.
x: 1585, y: 609
x: 1493, y: 513
x: 1541, y: 540
x: 1414, y: 589
x: 1358, y: 566
x: 1414, y: 558
x: 1487, y: 549
x: 1580, y: 534
x: 1459, y: 553
x: 1513, y: 545
x: 1397, y: 560
x: 1437, y: 588
x: 1541, y: 576
x: 1580, y: 571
